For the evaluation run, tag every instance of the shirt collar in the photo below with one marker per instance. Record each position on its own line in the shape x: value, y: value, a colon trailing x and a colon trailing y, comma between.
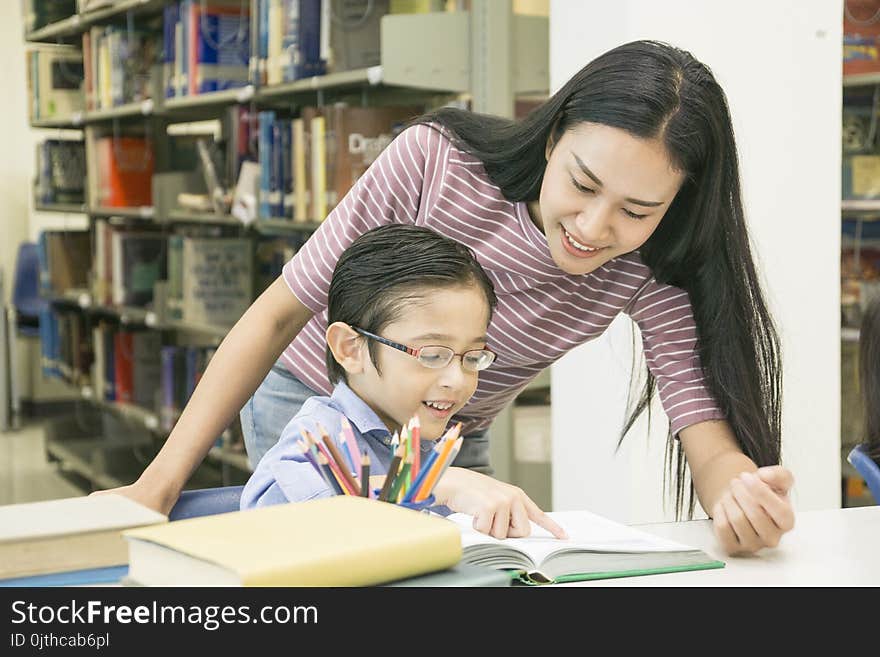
x: 356, y: 410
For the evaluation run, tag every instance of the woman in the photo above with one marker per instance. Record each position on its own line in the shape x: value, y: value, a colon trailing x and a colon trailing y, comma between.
x: 620, y: 194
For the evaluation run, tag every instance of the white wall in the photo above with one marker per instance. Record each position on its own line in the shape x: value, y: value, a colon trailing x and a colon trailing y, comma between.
x: 780, y: 65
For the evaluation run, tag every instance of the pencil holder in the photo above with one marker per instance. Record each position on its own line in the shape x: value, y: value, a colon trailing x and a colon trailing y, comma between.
x: 416, y: 506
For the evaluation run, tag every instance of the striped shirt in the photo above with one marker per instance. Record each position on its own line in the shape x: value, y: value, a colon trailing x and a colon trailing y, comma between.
x: 422, y: 178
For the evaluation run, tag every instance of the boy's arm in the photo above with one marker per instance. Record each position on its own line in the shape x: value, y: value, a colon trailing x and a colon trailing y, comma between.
x: 233, y: 374
x: 284, y: 474
x: 749, y: 506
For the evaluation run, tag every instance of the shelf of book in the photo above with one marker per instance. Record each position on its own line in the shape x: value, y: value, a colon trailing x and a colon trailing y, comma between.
x: 861, y: 79
x: 365, y: 77
x: 68, y: 122
x: 283, y: 226
x: 868, y: 207
x: 129, y: 110
x: 142, y: 212
x: 142, y: 416
x: 67, y: 208
x: 191, y: 217
x: 218, y: 99
x: 79, y: 23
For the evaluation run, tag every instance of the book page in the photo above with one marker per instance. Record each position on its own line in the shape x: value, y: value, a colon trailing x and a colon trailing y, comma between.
x: 587, y: 531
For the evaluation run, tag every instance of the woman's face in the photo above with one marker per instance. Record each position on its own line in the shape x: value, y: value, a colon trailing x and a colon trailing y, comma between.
x: 604, y: 192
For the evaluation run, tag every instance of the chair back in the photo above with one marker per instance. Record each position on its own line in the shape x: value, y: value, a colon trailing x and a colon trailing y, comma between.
x: 206, y: 502
x: 868, y: 468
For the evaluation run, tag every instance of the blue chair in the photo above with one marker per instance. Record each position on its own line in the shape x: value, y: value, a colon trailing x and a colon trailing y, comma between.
x: 866, y: 467
x: 206, y: 502
x: 26, y: 297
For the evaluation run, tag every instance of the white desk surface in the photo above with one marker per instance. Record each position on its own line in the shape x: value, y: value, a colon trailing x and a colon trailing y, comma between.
x: 839, y: 547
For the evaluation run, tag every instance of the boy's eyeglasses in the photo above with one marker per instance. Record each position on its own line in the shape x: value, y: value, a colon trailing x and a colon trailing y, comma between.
x: 437, y: 356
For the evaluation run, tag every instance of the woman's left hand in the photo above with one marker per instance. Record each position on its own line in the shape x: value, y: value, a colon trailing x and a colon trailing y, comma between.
x: 755, y: 510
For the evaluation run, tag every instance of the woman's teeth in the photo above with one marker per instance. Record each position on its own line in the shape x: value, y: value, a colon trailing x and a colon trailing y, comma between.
x: 577, y: 244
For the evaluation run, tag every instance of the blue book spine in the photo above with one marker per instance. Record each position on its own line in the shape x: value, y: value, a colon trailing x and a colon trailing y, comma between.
x: 264, y: 39
x: 310, y: 63
x: 192, y: 356
x: 290, y: 39
x: 266, y: 121
x: 222, y: 50
x: 107, y: 575
x: 185, y: 17
x: 169, y: 22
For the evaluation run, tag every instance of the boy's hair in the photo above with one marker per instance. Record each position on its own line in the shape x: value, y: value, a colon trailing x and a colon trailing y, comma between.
x: 388, y: 268
x: 869, y: 376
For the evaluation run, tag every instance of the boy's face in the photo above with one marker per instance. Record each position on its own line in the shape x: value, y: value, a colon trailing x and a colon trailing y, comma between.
x: 455, y: 317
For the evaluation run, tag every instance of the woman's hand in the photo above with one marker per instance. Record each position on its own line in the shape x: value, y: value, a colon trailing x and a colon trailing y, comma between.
x: 754, y: 511
x: 499, y: 509
x: 149, y: 496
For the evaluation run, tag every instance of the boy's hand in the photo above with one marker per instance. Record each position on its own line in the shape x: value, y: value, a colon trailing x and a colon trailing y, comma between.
x: 499, y: 509
x: 755, y: 510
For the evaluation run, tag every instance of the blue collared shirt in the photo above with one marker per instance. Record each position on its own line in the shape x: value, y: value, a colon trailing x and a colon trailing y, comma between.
x: 285, y: 475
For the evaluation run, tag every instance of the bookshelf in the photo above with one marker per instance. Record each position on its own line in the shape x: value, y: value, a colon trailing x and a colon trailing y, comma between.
x: 425, y: 59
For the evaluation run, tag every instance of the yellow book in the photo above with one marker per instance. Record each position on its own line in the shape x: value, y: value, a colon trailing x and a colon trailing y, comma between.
x: 338, y: 541
x: 67, y: 534
x: 300, y: 184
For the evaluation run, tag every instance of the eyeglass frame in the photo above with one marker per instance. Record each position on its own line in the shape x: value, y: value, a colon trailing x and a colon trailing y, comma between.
x: 412, y: 351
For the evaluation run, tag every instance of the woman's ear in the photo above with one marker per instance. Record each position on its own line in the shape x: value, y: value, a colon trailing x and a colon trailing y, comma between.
x: 347, y: 347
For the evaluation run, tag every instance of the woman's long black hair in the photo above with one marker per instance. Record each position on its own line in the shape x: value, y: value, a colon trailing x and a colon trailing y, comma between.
x: 653, y: 90
x: 869, y: 376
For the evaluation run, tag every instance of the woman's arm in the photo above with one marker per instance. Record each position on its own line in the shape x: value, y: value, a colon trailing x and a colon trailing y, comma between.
x: 239, y: 365
x: 749, y: 506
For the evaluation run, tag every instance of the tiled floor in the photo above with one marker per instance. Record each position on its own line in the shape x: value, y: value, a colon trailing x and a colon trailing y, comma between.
x: 25, y: 474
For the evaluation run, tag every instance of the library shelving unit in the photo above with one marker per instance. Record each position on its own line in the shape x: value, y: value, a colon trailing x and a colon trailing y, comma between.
x: 862, y: 213
x: 426, y: 58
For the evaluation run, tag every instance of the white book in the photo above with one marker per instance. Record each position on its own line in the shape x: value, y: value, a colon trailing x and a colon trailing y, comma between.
x: 68, y: 534
x: 597, y: 548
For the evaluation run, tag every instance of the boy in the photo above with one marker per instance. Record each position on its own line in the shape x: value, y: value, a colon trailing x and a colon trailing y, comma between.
x: 407, y: 316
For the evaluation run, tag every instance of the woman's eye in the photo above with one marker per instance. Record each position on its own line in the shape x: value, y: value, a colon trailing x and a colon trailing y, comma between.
x: 582, y: 188
x: 633, y: 215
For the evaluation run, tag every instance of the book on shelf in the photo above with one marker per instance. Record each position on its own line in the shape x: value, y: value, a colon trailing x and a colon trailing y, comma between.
x: 120, y: 63
x: 139, y: 261
x: 40, y: 13
x: 65, y: 257
x: 861, y: 37
x: 217, y: 280
x: 61, y: 171
x: 271, y: 253
x: 54, y: 81
x: 146, y: 373
x: 123, y: 170
x: 123, y: 363
x: 68, y: 534
x: 356, y: 136
x: 338, y: 541
x: 354, y: 34
x: 597, y: 548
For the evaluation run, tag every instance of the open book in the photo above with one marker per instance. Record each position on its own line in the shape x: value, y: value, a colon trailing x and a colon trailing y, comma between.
x: 597, y: 548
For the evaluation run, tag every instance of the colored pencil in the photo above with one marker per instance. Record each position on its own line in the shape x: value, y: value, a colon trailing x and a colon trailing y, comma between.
x: 349, y: 457
x: 365, y: 475
x: 395, y: 494
x: 350, y: 441
x: 420, y: 476
x: 436, y: 470
x: 389, y: 476
x: 328, y: 476
x: 353, y: 484
x: 415, y: 429
x: 335, y: 469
